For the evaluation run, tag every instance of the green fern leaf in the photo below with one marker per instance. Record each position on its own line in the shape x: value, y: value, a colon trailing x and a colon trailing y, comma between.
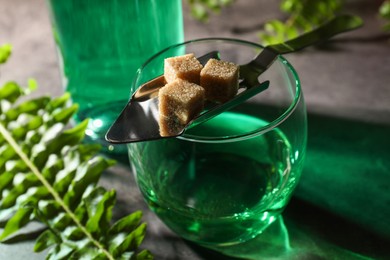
x: 144, y: 255
x: 47, y: 175
x: 126, y: 224
x: 18, y: 220
x: 46, y: 240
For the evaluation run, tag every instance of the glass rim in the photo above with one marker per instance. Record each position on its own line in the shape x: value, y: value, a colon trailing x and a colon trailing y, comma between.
x: 259, y: 131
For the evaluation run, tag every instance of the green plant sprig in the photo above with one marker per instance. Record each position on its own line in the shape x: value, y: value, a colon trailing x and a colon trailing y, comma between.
x: 384, y: 12
x: 48, y: 175
x: 304, y: 15
x: 201, y: 9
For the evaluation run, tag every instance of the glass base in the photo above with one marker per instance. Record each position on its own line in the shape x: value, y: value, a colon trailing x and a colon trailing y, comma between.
x: 272, y: 242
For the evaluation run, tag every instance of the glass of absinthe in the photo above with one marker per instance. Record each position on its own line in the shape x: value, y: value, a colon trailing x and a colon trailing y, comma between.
x: 225, y: 181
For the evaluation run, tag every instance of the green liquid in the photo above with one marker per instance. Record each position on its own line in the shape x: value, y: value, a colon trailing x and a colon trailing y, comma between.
x: 103, y: 42
x: 220, y: 193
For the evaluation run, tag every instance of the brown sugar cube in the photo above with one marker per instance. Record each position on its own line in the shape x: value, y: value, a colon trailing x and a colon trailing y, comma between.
x: 220, y: 80
x: 185, y: 67
x: 179, y: 102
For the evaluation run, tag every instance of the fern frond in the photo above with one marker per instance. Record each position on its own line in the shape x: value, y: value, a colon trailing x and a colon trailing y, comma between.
x: 47, y: 175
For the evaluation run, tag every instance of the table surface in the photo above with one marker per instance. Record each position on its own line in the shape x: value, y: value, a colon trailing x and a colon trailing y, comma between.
x: 342, y: 205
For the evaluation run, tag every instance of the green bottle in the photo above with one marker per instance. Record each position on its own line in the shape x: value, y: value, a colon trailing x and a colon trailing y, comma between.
x: 102, y: 43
